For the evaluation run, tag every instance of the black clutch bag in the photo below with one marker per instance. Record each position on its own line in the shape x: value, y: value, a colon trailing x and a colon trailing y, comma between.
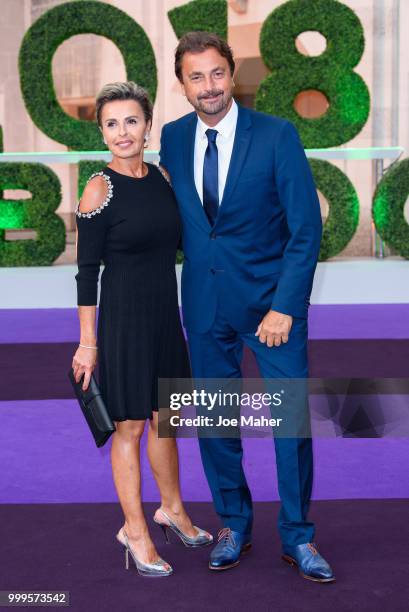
x: 94, y: 409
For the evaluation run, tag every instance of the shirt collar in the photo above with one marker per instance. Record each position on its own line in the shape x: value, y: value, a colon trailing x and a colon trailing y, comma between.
x: 225, y: 127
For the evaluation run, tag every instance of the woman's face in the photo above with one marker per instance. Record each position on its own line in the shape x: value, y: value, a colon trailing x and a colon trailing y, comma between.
x: 123, y: 127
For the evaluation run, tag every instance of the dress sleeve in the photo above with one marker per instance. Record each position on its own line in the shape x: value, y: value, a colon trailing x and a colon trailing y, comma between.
x: 92, y: 230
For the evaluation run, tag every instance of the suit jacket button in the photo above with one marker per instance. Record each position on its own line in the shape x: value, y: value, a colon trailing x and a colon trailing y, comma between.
x: 213, y: 236
x: 212, y: 270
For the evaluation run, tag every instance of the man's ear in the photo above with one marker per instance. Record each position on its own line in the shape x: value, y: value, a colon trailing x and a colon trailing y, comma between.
x: 182, y: 88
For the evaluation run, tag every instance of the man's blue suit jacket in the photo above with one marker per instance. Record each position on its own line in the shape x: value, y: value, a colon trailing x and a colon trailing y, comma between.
x: 262, y: 252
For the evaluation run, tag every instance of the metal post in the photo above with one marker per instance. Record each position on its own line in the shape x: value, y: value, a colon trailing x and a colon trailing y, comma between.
x: 378, y: 245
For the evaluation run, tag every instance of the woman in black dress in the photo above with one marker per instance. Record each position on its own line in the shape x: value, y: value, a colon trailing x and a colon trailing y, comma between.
x: 128, y: 218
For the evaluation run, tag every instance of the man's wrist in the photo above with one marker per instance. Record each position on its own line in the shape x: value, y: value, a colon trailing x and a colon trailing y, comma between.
x: 287, y: 314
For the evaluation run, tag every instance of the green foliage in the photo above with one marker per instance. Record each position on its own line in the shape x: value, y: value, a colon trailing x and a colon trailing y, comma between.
x: 291, y: 72
x: 37, y: 213
x: 205, y: 15
x: 388, y: 208
x: 343, y: 202
x: 330, y: 73
x: 37, y: 50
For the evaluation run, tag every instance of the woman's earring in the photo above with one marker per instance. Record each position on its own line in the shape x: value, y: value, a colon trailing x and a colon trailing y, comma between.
x: 146, y: 138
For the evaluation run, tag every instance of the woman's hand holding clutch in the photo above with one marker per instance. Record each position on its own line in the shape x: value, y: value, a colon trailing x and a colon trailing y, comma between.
x: 83, y: 363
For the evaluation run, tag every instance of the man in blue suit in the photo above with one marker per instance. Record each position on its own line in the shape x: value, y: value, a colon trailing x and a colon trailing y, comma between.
x: 251, y: 238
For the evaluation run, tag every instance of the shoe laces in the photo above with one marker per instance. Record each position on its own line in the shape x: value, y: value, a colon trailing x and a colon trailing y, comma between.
x: 312, y: 548
x: 225, y: 534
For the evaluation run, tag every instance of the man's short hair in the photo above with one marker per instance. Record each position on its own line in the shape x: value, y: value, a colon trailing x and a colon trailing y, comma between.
x: 197, y: 42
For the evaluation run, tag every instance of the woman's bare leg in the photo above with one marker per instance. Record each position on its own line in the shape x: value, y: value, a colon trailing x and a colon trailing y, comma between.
x: 163, y: 457
x: 125, y: 457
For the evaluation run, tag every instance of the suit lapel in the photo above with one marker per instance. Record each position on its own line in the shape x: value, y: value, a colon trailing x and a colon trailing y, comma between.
x: 189, y: 168
x: 240, y: 147
x: 189, y: 142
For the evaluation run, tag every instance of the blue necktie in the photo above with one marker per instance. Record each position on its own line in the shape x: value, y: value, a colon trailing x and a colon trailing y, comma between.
x: 211, y: 177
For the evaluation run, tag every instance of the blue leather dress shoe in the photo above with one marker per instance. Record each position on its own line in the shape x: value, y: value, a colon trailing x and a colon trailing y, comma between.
x: 230, y: 546
x: 309, y: 562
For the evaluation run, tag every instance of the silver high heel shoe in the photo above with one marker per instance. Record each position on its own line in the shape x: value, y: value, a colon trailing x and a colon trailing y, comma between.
x: 203, y: 538
x: 152, y: 570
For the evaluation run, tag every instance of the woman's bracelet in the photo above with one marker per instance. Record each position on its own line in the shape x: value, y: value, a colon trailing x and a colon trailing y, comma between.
x: 90, y: 347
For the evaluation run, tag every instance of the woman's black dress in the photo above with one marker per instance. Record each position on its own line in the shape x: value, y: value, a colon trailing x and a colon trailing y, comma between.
x: 135, y: 231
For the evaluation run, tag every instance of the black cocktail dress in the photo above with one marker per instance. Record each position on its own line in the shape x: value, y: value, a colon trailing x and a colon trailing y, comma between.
x: 135, y: 232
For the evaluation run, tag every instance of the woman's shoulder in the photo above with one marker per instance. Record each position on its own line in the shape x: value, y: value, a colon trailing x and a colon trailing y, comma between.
x: 96, y: 196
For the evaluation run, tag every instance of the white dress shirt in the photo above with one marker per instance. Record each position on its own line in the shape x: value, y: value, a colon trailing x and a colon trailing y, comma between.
x: 226, y: 130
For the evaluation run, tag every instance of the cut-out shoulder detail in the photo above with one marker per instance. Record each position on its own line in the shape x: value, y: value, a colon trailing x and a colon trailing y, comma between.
x: 105, y: 202
x: 164, y: 173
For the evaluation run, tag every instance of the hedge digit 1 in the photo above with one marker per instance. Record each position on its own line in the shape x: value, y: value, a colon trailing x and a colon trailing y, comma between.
x: 41, y: 42
x: 205, y: 15
x: 36, y: 213
x: 331, y: 73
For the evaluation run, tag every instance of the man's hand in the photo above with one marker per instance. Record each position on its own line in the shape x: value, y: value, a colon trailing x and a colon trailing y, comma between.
x: 274, y: 328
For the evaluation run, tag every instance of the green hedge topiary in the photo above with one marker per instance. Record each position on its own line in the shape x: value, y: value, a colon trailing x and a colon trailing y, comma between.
x: 343, y: 217
x: 205, y: 15
x: 42, y: 40
x: 330, y: 73
x: 37, y: 213
x: 388, y: 208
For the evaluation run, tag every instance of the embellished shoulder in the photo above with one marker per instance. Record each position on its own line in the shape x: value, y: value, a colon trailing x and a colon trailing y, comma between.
x: 164, y: 173
x: 105, y: 202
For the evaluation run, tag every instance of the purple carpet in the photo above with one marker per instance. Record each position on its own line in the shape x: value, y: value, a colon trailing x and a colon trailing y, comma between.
x: 53, y: 459
x: 71, y: 547
x: 333, y: 322
x: 32, y: 371
x: 60, y: 512
x: 46, y: 426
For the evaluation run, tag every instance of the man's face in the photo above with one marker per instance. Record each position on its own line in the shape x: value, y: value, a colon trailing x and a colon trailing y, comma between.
x: 207, y: 81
